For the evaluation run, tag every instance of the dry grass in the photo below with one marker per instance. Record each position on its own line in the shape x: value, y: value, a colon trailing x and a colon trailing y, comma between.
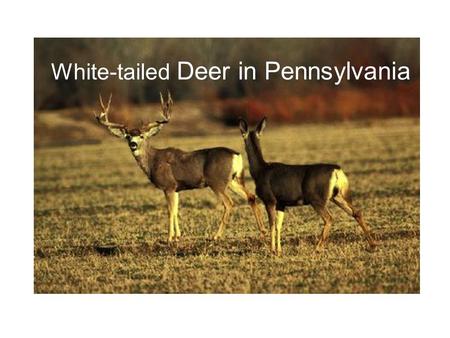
x: 91, y: 196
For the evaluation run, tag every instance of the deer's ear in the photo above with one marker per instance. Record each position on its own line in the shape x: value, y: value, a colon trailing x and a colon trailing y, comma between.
x: 152, y: 131
x: 243, y: 126
x: 118, y: 132
x: 260, y: 127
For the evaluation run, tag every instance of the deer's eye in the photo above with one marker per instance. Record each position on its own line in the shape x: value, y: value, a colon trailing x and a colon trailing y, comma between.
x: 142, y: 136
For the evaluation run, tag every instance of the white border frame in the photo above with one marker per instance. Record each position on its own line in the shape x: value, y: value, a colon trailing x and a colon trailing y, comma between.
x: 26, y: 314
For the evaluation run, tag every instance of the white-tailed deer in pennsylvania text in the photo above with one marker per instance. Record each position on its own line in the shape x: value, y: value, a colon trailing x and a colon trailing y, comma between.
x: 281, y: 185
x: 172, y: 170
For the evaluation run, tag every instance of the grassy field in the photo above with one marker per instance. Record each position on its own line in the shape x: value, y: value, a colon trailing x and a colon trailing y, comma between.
x: 90, y: 196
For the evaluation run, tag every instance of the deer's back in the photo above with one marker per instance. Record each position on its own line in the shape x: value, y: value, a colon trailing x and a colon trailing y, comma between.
x: 289, y: 185
x: 196, y: 169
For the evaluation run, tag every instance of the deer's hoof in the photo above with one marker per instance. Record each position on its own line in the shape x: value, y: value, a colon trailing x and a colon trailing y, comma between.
x: 372, y: 247
x: 319, y: 248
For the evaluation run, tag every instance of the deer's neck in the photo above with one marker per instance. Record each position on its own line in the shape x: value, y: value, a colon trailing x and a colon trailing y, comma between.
x: 254, y: 154
x: 144, y: 157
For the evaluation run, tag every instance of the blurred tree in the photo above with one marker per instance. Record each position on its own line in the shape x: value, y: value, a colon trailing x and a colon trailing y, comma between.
x: 51, y: 94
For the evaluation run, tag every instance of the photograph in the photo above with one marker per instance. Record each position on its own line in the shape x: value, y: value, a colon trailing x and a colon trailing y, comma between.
x: 226, y: 165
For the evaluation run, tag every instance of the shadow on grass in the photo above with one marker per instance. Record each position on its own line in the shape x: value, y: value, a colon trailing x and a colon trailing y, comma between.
x: 207, y: 247
x: 111, y: 208
x: 88, y: 187
x: 96, y: 209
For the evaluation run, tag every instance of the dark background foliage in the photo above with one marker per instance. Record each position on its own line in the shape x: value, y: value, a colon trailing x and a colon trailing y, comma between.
x: 286, y: 100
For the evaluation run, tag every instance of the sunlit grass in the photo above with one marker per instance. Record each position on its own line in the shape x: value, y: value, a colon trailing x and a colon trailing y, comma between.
x: 95, y: 195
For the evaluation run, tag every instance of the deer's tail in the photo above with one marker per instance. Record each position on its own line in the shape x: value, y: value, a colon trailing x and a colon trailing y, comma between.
x: 339, y: 184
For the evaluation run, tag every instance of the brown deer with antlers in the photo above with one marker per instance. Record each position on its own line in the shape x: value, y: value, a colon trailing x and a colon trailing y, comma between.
x: 173, y: 170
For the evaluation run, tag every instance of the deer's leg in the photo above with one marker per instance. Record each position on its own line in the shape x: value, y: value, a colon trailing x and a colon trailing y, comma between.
x: 237, y: 186
x: 175, y: 210
x: 171, y: 202
x: 228, y: 205
x: 280, y: 217
x: 346, y: 205
x: 271, y: 213
x: 323, y: 212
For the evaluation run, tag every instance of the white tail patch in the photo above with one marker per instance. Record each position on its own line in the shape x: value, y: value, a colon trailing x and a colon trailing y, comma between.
x: 237, y: 165
x: 339, y: 181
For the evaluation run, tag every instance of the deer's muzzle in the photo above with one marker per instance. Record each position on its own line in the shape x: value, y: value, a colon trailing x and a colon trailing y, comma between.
x: 133, y: 146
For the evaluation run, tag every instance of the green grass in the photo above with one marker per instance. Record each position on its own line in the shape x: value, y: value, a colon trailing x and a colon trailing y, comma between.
x: 94, y: 195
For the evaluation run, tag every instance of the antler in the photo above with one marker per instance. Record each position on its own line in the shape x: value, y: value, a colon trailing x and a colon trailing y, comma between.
x: 166, y: 110
x: 116, y: 129
x: 166, y: 107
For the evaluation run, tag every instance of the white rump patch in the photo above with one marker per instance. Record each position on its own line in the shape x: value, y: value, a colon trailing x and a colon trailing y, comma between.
x: 338, y: 180
x: 237, y: 165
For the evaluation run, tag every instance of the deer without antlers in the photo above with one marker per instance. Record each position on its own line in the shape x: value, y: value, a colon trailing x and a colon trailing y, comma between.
x: 282, y: 185
x: 173, y: 170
